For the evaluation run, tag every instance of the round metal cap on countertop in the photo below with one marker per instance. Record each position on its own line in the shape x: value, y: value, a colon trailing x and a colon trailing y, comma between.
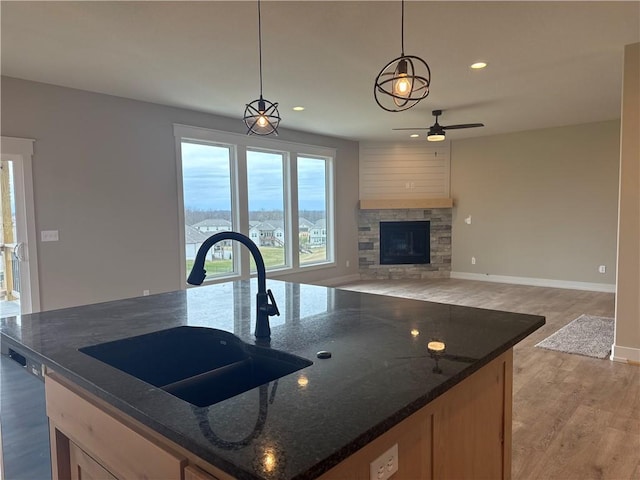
x: 323, y: 354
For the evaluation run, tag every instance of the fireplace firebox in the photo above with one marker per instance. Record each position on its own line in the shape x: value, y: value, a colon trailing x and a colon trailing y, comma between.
x: 404, y: 243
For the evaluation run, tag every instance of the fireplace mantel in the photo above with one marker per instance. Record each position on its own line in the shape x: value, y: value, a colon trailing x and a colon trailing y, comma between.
x: 388, y: 204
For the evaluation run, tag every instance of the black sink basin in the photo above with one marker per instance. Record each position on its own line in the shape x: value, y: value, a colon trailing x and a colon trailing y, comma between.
x: 200, y: 365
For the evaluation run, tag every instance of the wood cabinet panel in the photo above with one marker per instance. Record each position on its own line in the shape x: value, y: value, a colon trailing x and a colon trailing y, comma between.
x: 412, y: 444
x: 469, y: 426
x: 60, y: 461
x: 83, y: 467
x: 115, y: 445
x: 192, y: 472
x: 465, y: 433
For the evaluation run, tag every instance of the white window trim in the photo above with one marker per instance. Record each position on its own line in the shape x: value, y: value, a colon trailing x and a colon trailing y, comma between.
x: 239, y: 203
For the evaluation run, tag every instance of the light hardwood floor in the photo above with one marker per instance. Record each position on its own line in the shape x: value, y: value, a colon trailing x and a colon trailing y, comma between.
x: 574, y: 417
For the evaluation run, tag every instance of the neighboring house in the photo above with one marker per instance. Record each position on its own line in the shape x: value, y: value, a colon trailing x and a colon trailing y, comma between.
x: 213, y: 225
x: 278, y: 232
x: 267, y: 234
x: 193, y: 241
x: 318, y: 233
x: 304, y: 229
x: 254, y: 232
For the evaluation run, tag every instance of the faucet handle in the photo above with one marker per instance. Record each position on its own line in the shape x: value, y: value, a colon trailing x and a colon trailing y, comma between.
x: 272, y: 308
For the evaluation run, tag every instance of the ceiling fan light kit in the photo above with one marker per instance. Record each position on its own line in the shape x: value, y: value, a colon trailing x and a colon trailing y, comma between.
x: 261, y: 116
x: 402, y: 82
x: 437, y: 132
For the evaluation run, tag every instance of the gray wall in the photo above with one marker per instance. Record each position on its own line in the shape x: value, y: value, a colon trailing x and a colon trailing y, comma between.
x: 543, y: 203
x: 105, y: 176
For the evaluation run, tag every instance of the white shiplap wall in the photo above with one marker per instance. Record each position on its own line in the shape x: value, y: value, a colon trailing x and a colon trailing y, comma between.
x: 404, y: 170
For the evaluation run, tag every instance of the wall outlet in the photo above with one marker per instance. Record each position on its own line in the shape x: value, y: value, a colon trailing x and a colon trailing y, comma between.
x: 385, y: 465
x: 602, y: 269
x: 348, y: 263
x: 473, y: 260
x: 145, y: 292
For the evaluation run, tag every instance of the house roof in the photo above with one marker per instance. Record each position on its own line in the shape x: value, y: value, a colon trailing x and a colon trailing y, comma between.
x: 549, y: 63
x: 269, y: 225
x: 213, y: 222
x: 193, y: 235
x: 303, y: 222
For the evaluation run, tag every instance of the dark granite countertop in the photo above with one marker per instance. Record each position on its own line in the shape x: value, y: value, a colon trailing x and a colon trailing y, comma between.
x: 312, y: 419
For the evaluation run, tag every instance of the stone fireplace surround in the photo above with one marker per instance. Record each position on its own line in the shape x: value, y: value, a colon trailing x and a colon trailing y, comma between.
x: 369, y: 243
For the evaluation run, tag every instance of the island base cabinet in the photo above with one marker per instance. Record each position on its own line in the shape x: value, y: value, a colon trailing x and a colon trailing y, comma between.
x: 87, y: 442
x: 463, y: 434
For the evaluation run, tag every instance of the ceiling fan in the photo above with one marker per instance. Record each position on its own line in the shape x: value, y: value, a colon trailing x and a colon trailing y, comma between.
x: 436, y: 131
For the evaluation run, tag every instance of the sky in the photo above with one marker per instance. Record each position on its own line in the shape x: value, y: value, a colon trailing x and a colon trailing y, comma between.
x: 205, y: 173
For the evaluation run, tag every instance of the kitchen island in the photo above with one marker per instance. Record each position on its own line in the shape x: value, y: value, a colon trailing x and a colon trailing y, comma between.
x: 381, y: 387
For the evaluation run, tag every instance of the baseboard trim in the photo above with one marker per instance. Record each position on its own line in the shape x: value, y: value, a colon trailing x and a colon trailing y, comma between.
x: 625, y: 354
x: 536, y: 282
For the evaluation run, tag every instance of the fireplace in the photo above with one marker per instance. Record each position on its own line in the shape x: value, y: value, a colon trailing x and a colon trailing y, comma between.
x: 439, y: 259
x: 404, y: 243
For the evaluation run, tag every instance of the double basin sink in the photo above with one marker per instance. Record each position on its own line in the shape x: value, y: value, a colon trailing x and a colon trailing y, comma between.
x: 199, y: 365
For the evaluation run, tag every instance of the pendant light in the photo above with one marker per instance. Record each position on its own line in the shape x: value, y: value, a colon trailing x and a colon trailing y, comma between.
x: 261, y: 116
x: 402, y: 82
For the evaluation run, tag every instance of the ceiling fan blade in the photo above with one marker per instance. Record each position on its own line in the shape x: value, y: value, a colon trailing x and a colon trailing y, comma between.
x: 417, y: 128
x: 462, y: 125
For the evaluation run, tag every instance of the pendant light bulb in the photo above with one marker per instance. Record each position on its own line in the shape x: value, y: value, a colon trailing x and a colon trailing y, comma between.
x: 402, y: 83
x: 262, y: 120
x: 402, y: 86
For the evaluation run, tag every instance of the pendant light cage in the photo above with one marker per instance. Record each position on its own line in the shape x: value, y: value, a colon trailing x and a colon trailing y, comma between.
x: 416, y: 75
x: 261, y: 116
x: 402, y: 82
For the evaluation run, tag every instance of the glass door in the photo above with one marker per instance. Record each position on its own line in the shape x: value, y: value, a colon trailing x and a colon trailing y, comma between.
x: 19, y: 292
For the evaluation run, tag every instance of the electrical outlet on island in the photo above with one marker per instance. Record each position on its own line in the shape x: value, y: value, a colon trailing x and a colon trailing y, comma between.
x: 383, y: 467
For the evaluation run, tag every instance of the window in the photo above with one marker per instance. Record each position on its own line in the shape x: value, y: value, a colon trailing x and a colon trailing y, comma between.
x: 277, y: 193
x: 312, y: 209
x: 206, y: 187
x: 265, y: 184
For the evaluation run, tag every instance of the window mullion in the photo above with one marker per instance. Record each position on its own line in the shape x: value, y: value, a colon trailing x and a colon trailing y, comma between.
x: 330, y: 206
x: 241, y: 210
x: 293, y: 216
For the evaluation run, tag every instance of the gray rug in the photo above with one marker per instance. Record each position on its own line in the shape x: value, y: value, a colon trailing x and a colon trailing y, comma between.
x: 586, y: 335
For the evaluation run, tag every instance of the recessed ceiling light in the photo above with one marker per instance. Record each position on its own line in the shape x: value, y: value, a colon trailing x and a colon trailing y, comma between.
x: 298, y: 109
x: 478, y: 65
x: 414, y: 135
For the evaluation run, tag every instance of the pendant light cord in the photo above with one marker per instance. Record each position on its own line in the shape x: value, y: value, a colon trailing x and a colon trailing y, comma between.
x: 260, y: 45
x: 402, y: 29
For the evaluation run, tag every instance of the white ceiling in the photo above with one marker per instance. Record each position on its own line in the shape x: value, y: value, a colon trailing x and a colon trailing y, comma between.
x: 550, y: 63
